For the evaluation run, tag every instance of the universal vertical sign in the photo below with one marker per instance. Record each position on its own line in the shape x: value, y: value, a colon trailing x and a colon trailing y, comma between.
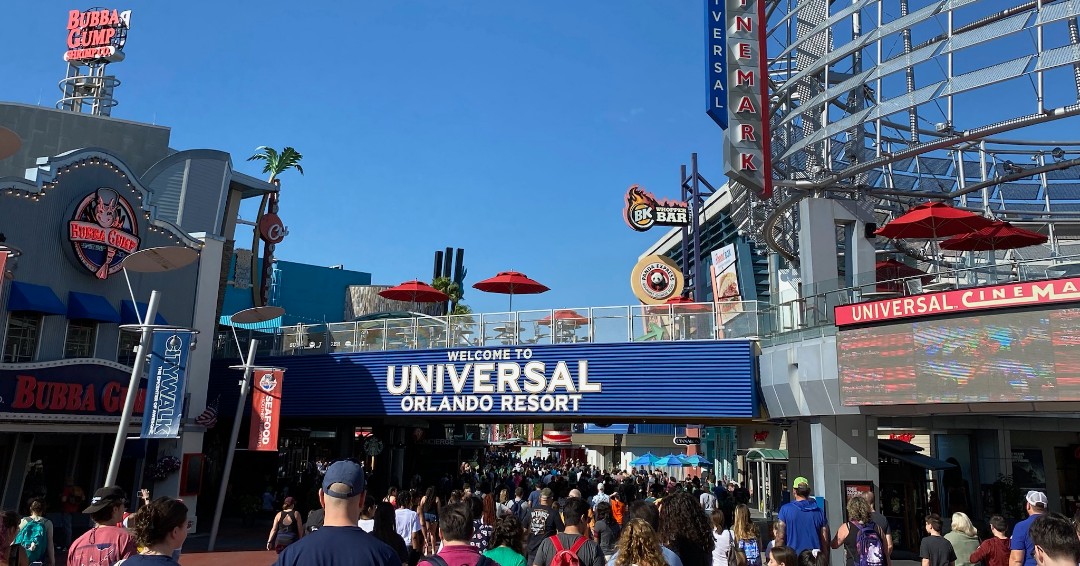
x: 746, y: 141
x: 165, y: 385
x: 716, y: 96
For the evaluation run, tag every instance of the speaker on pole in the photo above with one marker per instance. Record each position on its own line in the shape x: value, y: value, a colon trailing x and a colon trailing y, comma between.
x: 870, y: 228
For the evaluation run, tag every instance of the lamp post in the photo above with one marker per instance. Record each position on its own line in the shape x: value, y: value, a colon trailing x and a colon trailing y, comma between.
x: 248, y: 316
x: 151, y: 260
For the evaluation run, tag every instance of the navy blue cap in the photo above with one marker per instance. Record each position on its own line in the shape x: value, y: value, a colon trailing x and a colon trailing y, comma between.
x: 344, y: 472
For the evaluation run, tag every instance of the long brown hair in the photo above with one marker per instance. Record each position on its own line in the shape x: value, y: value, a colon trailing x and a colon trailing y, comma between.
x: 744, y: 528
x: 488, y: 516
x: 639, y: 545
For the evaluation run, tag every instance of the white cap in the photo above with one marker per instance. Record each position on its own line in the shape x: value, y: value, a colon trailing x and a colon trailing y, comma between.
x: 1036, y: 498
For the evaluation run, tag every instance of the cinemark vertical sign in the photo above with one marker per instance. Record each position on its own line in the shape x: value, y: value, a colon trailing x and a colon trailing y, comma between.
x: 746, y: 143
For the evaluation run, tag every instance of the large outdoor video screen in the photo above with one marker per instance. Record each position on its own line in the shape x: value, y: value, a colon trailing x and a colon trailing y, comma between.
x: 1012, y: 356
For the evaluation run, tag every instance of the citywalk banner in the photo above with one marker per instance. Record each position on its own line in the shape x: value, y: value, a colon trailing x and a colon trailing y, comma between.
x: 725, y: 284
x: 265, y: 410
x: 165, y: 385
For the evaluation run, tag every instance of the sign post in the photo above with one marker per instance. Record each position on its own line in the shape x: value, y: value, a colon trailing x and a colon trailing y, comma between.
x: 133, y: 388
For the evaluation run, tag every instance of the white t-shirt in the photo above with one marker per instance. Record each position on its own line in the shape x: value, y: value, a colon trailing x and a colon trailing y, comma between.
x: 708, y: 502
x: 367, y: 524
x: 723, y: 542
x: 406, y: 522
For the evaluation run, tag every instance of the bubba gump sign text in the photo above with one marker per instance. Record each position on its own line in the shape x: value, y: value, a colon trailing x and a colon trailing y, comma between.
x: 1021, y: 294
x: 95, y: 34
x: 42, y: 396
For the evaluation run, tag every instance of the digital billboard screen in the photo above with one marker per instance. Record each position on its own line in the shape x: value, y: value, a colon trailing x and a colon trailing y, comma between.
x: 1013, y: 356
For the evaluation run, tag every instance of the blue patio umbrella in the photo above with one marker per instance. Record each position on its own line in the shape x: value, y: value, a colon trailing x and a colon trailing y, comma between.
x: 697, y: 460
x: 646, y: 459
x: 670, y: 460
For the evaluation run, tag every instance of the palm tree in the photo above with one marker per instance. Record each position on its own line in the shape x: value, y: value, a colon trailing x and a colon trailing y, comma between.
x: 452, y: 290
x: 275, y: 164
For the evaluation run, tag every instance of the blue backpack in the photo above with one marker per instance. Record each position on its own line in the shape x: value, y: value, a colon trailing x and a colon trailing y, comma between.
x: 34, y: 539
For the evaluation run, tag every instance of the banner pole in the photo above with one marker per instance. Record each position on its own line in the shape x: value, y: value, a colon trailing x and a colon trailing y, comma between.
x: 133, y: 387
x: 245, y: 387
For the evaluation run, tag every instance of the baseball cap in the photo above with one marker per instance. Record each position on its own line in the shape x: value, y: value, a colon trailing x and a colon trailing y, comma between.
x: 105, y: 497
x: 546, y: 493
x: 1036, y: 498
x: 600, y: 486
x: 344, y: 472
x: 800, y: 481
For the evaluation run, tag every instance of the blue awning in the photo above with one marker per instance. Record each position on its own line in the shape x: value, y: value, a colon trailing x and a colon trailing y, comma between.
x: 128, y: 316
x: 269, y: 325
x: 34, y: 298
x: 84, y: 306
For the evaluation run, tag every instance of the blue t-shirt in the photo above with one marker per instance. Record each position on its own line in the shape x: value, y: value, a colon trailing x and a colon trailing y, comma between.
x: 803, y: 521
x: 1021, y: 540
x: 338, y: 546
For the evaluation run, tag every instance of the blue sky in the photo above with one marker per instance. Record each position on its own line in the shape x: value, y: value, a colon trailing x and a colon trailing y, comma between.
x: 510, y: 129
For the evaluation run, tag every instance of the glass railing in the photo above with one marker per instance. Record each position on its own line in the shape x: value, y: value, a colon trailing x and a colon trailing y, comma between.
x: 814, y: 308
x: 684, y: 321
x: 810, y: 315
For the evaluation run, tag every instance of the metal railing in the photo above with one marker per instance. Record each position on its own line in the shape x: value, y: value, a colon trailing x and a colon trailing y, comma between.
x: 809, y: 314
x: 814, y: 308
x: 685, y: 321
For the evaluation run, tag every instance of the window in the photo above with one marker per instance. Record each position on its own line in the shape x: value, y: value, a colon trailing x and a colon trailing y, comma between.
x: 129, y: 342
x: 80, y: 339
x: 22, y: 337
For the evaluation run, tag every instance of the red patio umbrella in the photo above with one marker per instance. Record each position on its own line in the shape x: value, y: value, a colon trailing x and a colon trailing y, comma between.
x: 565, y: 317
x: 933, y: 220
x: 889, y: 270
x: 999, y: 235
x: 686, y: 304
x: 511, y: 283
x: 416, y: 291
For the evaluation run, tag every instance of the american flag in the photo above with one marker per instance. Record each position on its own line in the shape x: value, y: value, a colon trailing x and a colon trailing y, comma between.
x: 208, y: 418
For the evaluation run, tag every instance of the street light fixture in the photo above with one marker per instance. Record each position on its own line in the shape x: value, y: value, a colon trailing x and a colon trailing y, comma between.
x: 247, y: 316
x: 150, y: 260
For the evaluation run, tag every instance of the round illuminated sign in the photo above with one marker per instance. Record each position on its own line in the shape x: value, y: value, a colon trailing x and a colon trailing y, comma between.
x: 655, y: 279
x: 103, y: 231
x: 271, y: 229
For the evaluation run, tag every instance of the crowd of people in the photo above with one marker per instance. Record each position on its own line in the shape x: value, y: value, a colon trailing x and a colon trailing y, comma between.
x: 152, y: 535
x: 539, y: 514
x: 534, y: 513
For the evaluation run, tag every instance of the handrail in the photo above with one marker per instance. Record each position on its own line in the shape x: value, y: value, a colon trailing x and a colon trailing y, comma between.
x: 815, y: 309
x: 614, y: 324
x: 642, y: 323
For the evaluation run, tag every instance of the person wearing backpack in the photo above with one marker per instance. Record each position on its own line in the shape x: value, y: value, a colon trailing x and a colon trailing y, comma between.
x: 456, y: 532
x: 862, y: 539
x: 570, y: 547
x: 520, y: 507
x: 746, y: 536
x: 36, y: 534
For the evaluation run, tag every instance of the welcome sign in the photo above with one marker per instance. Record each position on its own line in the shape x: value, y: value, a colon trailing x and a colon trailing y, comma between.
x: 589, y: 381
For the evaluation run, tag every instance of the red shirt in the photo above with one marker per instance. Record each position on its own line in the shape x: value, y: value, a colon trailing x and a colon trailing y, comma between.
x: 101, y: 546
x: 995, y: 551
